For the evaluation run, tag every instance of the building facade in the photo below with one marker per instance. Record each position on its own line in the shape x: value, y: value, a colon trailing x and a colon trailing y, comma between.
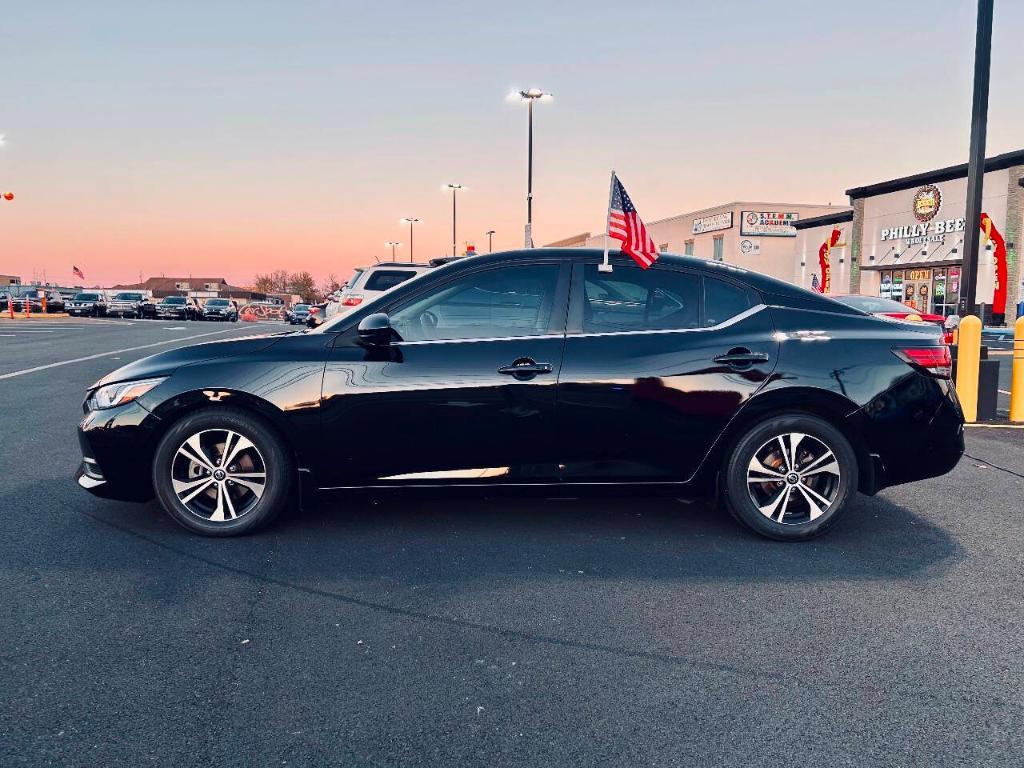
x: 753, y: 235
x: 903, y: 239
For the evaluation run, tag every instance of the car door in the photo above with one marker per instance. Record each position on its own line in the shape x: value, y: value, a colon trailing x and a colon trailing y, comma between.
x: 465, y: 394
x: 656, y: 362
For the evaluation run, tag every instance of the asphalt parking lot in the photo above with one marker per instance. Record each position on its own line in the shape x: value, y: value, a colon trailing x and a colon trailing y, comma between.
x: 492, y: 632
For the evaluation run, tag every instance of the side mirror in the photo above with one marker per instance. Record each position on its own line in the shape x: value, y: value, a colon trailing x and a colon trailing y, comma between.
x: 375, y: 330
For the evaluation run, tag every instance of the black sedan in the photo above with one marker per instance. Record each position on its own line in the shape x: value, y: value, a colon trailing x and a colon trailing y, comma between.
x: 298, y: 314
x: 536, y: 370
x: 220, y: 309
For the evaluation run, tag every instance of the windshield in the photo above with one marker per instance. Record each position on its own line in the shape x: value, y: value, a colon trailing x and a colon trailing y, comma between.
x: 86, y: 297
x: 128, y: 297
x: 873, y: 304
x: 217, y: 303
x: 300, y: 308
x: 174, y: 300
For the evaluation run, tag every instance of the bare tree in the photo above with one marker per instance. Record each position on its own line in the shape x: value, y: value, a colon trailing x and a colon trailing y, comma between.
x: 303, y: 284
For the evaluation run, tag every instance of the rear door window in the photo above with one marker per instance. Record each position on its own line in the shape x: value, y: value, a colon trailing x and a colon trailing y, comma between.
x: 385, y: 279
x: 631, y: 299
x: 723, y: 301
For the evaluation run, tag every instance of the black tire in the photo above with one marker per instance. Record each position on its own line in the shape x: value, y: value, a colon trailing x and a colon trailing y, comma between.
x: 797, y: 498
x: 270, y: 451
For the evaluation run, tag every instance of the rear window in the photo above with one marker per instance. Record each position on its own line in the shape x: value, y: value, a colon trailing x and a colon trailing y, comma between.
x: 86, y: 297
x: 385, y: 279
x: 354, y: 279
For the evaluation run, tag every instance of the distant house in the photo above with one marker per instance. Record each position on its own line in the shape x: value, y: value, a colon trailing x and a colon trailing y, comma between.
x: 198, y: 287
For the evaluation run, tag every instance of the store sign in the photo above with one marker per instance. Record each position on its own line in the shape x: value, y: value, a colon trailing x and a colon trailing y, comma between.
x: 927, y: 232
x: 750, y: 248
x: 927, y: 201
x: 712, y: 223
x: 768, y: 223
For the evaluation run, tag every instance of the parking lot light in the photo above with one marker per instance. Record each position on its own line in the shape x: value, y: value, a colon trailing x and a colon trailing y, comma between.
x: 454, y: 188
x: 410, y: 220
x: 392, y: 244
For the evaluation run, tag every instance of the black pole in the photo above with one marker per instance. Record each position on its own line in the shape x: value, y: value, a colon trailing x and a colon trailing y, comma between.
x: 490, y: 242
x: 976, y: 163
x: 529, y: 173
x: 453, y: 221
x: 410, y: 242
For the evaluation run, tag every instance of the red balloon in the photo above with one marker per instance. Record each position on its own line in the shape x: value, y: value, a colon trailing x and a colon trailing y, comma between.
x: 8, y: 195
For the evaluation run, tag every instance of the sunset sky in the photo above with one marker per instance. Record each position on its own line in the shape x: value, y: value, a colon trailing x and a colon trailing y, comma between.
x: 228, y: 138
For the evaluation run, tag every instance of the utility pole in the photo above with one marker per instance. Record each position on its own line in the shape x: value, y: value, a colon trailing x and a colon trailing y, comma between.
x: 976, y: 162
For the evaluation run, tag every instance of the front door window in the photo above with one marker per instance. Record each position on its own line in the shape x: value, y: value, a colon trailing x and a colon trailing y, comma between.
x: 498, y: 303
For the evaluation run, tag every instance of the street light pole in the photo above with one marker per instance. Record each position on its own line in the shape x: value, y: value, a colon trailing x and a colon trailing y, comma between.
x: 976, y: 162
x: 529, y: 96
x: 410, y: 220
x: 393, y: 244
x: 490, y: 240
x: 454, y: 188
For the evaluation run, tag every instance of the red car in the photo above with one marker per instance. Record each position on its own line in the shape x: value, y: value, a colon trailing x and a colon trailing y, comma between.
x: 882, y: 307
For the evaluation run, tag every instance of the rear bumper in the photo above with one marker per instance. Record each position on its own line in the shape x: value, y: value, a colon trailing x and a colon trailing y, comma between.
x: 914, y: 431
x: 117, y: 453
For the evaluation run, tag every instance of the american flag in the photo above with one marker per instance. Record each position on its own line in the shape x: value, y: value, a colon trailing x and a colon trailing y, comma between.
x: 625, y: 224
x: 77, y: 272
x: 815, y: 285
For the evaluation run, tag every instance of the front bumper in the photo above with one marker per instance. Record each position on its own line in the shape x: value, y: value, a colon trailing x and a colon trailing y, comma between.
x: 117, y: 452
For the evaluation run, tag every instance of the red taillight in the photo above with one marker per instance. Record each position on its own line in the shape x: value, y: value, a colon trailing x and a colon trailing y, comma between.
x: 933, y: 360
x: 314, y: 310
x: 352, y: 300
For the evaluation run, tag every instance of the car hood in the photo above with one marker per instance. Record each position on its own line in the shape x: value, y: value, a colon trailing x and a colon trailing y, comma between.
x: 165, y: 363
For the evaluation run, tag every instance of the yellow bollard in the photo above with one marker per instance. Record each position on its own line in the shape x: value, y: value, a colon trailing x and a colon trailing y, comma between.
x: 1017, y: 373
x: 968, y: 366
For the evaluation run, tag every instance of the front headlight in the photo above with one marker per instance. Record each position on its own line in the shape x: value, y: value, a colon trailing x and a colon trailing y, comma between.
x: 123, y: 392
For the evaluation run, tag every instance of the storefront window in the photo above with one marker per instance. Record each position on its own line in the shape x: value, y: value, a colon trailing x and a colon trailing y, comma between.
x: 688, y: 248
x: 719, y: 252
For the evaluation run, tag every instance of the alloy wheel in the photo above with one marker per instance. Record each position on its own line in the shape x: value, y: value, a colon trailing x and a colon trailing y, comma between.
x: 793, y: 478
x: 218, y: 475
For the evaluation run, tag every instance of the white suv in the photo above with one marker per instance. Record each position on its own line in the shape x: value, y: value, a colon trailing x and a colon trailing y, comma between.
x: 370, y: 282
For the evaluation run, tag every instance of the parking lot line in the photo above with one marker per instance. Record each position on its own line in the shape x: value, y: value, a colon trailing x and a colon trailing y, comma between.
x: 108, y: 353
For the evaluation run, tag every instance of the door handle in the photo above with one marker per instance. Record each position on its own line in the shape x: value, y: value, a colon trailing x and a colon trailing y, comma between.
x: 741, y: 357
x: 525, y: 368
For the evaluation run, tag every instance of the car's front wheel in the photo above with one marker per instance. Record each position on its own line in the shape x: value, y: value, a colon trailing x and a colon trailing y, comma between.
x: 222, y: 472
x: 790, y: 477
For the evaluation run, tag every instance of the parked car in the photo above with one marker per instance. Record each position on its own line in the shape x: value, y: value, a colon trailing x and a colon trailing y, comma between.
x: 131, y: 304
x: 178, y: 308
x: 220, y: 309
x: 88, y: 304
x: 34, y: 298
x: 370, y: 282
x: 882, y: 307
x: 317, y: 314
x: 534, y: 369
x: 298, y: 314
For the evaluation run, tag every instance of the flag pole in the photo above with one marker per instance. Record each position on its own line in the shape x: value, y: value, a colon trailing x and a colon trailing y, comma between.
x: 604, y: 266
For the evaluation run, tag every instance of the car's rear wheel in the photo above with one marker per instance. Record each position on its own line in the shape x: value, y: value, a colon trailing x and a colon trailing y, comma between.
x: 222, y: 472
x: 790, y: 477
